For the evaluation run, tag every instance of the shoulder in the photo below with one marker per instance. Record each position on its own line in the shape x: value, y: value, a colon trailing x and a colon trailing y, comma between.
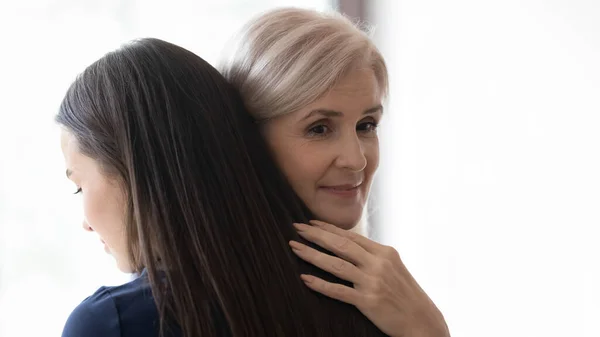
x: 123, y: 311
x: 96, y: 316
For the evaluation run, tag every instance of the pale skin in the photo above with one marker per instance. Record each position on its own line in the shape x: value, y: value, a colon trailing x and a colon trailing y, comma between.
x: 103, y: 200
x: 329, y: 151
x: 384, y: 290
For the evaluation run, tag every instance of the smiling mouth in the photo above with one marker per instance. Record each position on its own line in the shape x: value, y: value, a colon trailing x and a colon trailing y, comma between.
x: 347, y: 190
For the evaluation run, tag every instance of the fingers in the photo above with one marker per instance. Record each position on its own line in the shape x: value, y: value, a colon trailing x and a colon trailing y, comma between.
x: 334, y: 265
x: 367, y: 244
x: 333, y: 290
x: 339, y: 245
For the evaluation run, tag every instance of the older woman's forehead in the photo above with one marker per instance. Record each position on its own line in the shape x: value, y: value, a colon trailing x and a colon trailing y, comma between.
x: 361, y: 79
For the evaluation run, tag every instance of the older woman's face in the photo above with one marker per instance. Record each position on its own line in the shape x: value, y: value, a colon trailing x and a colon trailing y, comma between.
x: 329, y: 150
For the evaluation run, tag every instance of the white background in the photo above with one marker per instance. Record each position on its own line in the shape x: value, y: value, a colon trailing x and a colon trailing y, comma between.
x: 489, y: 184
x: 490, y: 180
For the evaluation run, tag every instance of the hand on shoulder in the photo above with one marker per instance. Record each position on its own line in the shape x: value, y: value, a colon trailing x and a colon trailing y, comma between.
x: 384, y: 290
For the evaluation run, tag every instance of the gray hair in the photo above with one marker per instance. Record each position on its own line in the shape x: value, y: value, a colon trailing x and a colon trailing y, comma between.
x: 285, y: 59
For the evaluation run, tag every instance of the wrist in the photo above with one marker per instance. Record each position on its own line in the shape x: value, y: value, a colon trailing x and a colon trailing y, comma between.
x: 425, y: 332
x: 432, y: 327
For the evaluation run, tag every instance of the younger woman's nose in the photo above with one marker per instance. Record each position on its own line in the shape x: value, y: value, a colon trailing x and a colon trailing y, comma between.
x: 87, y: 227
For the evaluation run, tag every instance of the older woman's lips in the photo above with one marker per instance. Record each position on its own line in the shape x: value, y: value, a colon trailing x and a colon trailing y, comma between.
x: 347, y: 190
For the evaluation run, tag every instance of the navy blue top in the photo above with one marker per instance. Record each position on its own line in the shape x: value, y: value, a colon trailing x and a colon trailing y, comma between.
x: 123, y: 311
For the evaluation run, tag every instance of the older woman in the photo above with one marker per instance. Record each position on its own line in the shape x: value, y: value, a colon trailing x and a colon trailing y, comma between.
x: 315, y: 83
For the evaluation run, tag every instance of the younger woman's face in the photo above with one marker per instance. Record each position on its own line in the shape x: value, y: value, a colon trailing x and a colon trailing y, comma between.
x: 103, y: 200
x: 329, y: 150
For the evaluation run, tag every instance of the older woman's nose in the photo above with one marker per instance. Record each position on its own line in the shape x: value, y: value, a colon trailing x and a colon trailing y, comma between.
x: 352, y: 155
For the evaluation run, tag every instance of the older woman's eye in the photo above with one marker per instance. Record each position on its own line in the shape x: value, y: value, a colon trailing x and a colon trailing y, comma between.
x: 79, y: 190
x: 367, y: 127
x: 319, y: 130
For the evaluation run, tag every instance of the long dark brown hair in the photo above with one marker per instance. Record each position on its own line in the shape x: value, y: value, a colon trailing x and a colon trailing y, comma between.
x: 209, y: 212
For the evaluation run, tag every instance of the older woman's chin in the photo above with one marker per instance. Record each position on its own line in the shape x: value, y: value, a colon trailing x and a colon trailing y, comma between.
x: 349, y: 221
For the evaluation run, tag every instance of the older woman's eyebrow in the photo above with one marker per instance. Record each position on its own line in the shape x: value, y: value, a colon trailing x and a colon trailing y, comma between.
x: 333, y: 113
x: 375, y: 109
x: 68, y: 173
x: 323, y: 112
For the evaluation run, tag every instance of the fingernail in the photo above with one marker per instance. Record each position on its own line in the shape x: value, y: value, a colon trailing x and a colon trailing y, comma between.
x: 306, y: 278
x: 300, y: 226
x: 296, y: 245
x: 302, y: 234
